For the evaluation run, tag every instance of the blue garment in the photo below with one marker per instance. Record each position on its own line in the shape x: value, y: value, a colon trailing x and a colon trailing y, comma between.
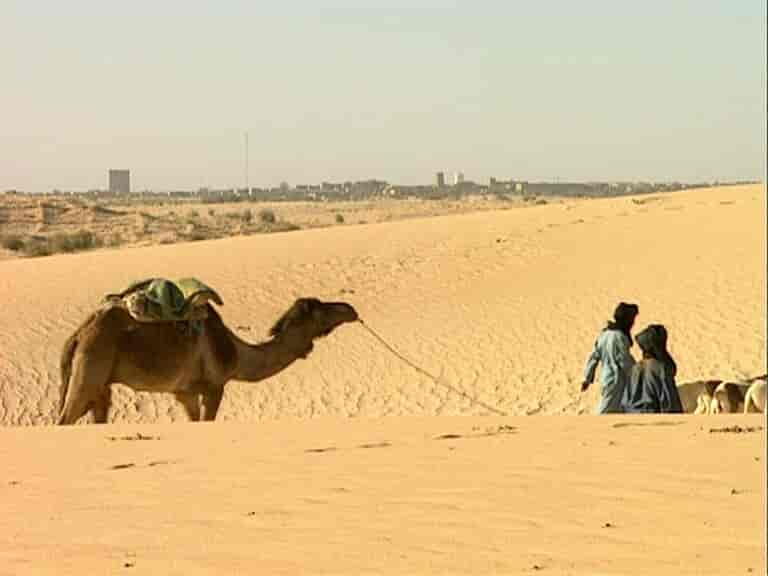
x: 651, y: 388
x: 612, y: 350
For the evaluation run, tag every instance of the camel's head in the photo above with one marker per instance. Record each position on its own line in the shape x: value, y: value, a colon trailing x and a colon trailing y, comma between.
x: 314, y: 318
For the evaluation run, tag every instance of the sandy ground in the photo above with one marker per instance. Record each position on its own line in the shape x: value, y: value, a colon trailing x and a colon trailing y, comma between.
x: 401, y: 495
x: 505, y: 305
x: 348, y: 471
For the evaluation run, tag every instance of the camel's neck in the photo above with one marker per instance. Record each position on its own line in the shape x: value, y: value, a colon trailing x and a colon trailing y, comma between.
x: 259, y: 361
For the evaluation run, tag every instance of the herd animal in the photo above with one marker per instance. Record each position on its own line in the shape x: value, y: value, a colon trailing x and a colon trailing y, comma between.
x: 722, y: 397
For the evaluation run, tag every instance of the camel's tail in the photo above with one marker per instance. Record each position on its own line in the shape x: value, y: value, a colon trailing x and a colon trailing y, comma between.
x: 65, y: 367
x: 65, y: 362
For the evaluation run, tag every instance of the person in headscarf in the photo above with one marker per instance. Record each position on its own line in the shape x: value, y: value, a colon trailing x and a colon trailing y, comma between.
x: 612, y: 350
x: 651, y: 386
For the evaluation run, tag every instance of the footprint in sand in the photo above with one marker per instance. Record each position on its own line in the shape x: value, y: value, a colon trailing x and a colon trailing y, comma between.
x: 662, y: 423
x: 137, y: 436
x: 375, y: 445
x: 736, y: 429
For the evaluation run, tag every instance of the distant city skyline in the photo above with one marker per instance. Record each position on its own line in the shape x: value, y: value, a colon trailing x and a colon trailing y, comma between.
x: 397, y: 90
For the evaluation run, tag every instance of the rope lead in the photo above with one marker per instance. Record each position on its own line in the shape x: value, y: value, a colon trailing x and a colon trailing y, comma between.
x: 435, y: 379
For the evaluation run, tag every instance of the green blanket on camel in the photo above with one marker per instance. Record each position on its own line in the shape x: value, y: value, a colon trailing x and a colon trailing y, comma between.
x: 162, y: 300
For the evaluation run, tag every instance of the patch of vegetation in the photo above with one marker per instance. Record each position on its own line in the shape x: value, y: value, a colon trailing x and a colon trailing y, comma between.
x: 267, y: 216
x: 35, y: 247
x: 116, y: 239
x: 74, y: 242
x: 247, y: 216
x: 199, y: 234
x: 283, y: 227
x: 339, y: 219
x: 12, y: 242
x: 196, y: 232
x: 268, y: 228
x: 98, y: 209
x: 57, y: 243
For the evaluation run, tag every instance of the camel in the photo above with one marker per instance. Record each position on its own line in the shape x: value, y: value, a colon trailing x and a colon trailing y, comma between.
x: 696, y: 397
x: 756, y: 397
x: 110, y: 346
x: 728, y: 398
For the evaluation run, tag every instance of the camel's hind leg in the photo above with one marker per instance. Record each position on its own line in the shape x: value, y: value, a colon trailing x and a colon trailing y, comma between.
x: 88, y: 388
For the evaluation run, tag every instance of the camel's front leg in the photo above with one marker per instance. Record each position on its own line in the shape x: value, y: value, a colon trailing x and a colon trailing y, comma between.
x: 211, y: 400
x: 100, y: 406
x: 191, y: 403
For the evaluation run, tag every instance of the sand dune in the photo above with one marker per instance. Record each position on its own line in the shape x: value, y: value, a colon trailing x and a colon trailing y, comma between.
x: 503, y: 304
x: 402, y: 495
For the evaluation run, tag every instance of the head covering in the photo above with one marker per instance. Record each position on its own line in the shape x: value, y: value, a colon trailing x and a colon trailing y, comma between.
x: 653, y: 343
x: 623, y: 318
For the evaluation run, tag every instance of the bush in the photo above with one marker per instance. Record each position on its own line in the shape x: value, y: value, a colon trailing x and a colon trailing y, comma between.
x: 267, y: 216
x: 13, y: 242
x: 42, y: 246
x: 247, y: 216
x: 283, y: 227
x: 339, y: 219
x: 37, y: 247
x: 75, y: 242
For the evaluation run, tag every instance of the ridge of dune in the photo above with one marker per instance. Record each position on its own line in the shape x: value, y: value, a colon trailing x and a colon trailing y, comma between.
x: 504, y: 305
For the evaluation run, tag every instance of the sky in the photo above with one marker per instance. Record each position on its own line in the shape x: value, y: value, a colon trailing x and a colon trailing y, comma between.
x: 331, y: 90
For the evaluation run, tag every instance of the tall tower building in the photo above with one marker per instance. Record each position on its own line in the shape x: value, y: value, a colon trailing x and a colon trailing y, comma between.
x: 440, y: 179
x: 120, y: 181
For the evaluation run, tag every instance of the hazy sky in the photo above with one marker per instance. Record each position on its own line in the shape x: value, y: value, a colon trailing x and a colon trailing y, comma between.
x: 392, y: 89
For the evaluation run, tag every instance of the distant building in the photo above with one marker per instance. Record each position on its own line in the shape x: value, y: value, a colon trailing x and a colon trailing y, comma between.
x: 440, y: 179
x: 120, y: 181
x: 458, y: 178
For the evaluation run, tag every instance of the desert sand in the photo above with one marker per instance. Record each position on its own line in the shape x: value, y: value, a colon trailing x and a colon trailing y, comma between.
x: 399, y: 495
x: 504, y: 305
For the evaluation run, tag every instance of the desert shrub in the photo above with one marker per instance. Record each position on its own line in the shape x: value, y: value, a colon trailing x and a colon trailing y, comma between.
x: 282, y: 226
x: 267, y: 216
x: 13, y: 242
x: 37, y: 247
x: 247, y: 216
x: 211, y: 212
x: 74, y: 242
x: 193, y: 214
x: 339, y: 219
